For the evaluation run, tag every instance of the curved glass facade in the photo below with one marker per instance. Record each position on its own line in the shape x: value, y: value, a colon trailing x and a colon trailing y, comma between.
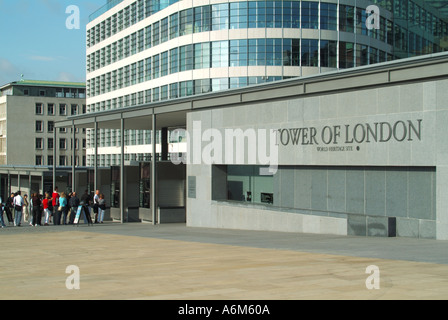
x: 146, y: 51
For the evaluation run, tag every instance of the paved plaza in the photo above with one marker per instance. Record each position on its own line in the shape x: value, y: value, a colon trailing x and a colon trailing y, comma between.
x: 175, y: 262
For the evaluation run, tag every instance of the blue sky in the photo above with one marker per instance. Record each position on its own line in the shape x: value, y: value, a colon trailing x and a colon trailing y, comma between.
x: 35, y: 42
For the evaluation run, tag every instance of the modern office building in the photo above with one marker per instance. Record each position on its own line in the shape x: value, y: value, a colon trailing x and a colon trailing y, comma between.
x: 355, y: 152
x: 140, y: 52
x: 298, y: 117
x: 28, y: 138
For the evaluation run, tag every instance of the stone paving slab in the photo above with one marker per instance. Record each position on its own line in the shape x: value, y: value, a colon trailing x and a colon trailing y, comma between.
x: 115, y: 264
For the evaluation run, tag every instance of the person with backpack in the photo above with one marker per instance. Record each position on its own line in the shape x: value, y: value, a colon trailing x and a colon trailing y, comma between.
x: 101, y: 208
x: 9, y: 207
x: 18, y: 208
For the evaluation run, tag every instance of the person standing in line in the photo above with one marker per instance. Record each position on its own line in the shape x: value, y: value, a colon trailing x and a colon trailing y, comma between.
x: 26, y: 211
x: 37, y: 211
x: 55, y: 203
x: 63, y: 204
x: 18, y: 207
x: 96, y: 199
x: 85, y: 202
x: 74, y: 204
x: 9, y: 207
x: 101, y: 208
x: 45, y: 203
x: 2, y: 222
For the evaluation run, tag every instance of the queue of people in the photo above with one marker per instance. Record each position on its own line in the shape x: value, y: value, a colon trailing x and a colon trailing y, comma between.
x: 57, y: 208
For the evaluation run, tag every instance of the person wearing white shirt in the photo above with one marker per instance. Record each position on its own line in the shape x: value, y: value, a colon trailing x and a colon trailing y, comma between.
x: 18, y: 206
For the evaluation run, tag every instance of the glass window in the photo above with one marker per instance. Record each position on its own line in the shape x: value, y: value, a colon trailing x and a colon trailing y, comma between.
x: 202, y: 19
x: 202, y: 86
x: 186, y: 22
x: 261, y: 14
x: 174, y: 26
x: 62, y: 109
x: 174, y: 91
x: 220, y: 16
x: 362, y: 56
x: 220, y: 84
x: 155, y: 94
x: 373, y: 55
x: 328, y: 16
x: 39, y: 108
x: 155, y: 66
x: 155, y: 34
x: 141, y: 71
x: 346, y: 55
x: 346, y: 18
x: 238, y: 15
x: 202, y: 55
x: 141, y: 40
x: 328, y: 53
x: 238, y: 82
x: 274, y: 53
x: 245, y: 184
x: 252, y: 14
x: 361, y: 17
x: 164, y: 92
x: 310, y: 15
x: 174, y: 60
x: 50, y: 109
x: 220, y: 54
x: 238, y: 53
x: 310, y: 55
x: 133, y: 73
x: 39, y: 143
x: 148, y: 72
x: 164, y: 30
x: 186, y: 88
x: 164, y: 64
x: 148, y: 37
x: 186, y: 58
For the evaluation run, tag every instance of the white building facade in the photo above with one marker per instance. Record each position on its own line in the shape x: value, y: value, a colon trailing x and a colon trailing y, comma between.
x: 141, y: 52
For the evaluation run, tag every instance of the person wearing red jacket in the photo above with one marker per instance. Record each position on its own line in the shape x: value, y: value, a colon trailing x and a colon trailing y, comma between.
x: 55, y: 203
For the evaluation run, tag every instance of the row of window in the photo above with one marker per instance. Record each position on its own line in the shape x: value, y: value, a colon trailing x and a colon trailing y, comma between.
x: 112, y: 137
x: 234, y: 53
x: 123, y: 19
x: 39, y: 127
x: 260, y: 14
x: 56, y: 93
x: 178, y: 90
x: 62, y: 144
x: 63, y: 160
x: 202, y: 19
x: 107, y: 160
x: 51, y: 109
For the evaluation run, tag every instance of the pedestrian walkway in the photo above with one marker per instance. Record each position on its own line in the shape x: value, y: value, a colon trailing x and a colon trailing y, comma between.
x: 175, y: 262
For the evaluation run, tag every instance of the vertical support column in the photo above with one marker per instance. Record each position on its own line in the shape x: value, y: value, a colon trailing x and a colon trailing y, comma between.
x: 18, y: 181
x: 55, y: 145
x: 154, y: 204
x: 9, y: 184
x: 164, y: 144
x: 29, y: 185
x: 74, y: 158
x: 95, y: 162
x: 122, y: 175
